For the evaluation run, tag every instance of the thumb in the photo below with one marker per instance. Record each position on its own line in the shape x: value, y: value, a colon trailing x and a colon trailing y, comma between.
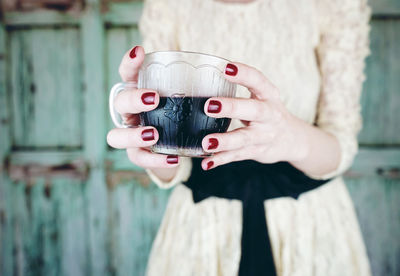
x: 130, y: 64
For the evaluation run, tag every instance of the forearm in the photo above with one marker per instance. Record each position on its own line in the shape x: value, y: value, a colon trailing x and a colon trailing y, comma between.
x: 321, y: 153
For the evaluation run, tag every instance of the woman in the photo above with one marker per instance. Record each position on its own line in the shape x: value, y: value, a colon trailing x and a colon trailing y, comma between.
x: 303, y: 110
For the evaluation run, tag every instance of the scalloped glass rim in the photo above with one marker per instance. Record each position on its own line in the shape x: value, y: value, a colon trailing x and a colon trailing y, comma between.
x: 197, y: 60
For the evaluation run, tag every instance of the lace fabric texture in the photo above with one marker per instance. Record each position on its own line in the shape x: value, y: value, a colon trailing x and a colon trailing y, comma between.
x: 313, y: 51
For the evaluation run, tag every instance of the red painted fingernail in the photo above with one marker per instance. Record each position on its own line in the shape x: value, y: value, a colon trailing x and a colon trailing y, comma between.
x: 132, y: 53
x: 149, y: 98
x: 210, y: 164
x: 231, y: 69
x: 214, y: 106
x: 212, y: 143
x: 172, y: 159
x: 148, y: 134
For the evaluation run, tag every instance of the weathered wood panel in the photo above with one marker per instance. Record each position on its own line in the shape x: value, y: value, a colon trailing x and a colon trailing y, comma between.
x: 381, y: 95
x: 377, y: 202
x: 46, y: 87
x: 385, y: 7
x: 134, y: 216
x: 124, y: 13
x: 48, y: 223
x: 6, y: 256
x: 40, y: 18
x: 92, y: 29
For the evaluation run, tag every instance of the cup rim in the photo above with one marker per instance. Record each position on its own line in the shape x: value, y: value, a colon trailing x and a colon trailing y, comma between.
x: 196, y: 59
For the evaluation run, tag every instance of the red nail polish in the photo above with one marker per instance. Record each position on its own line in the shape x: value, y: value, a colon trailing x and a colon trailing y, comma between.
x: 148, y: 135
x: 231, y: 69
x: 132, y: 53
x: 212, y: 143
x: 214, y: 106
x: 172, y: 159
x: 149, y: 98
x: 210, y: 164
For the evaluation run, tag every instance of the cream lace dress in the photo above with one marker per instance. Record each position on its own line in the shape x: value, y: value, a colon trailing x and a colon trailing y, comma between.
x: 313, y: 51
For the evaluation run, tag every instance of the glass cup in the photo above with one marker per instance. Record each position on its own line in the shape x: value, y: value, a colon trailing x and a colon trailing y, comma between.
x: 184, y: 81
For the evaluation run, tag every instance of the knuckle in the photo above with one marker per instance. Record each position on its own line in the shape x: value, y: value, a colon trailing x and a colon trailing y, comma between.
x: 236, y: 155
x: 132, y: 156
x: 258, y: 109
x: 230, y: 107
x: 121, y: 69
x: 110, y: 137
x: 119, y: 103
x: 133, y: 99
x: 265, y: 84
x: 258, y: 78
x: 273, y: 91
x: 244, y: 137
x: 136, y: 157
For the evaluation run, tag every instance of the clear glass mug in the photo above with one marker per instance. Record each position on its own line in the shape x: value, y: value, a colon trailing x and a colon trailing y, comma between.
x: 184, y: 81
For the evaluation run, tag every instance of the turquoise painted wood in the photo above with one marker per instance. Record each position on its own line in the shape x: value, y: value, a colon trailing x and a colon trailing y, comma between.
x: 381, y: 97
x: 70, y: 205
x: 46, y: 97
x: 377, y: 204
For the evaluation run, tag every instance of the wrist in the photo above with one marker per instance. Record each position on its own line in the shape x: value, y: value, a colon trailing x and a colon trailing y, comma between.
x: 300, y: 146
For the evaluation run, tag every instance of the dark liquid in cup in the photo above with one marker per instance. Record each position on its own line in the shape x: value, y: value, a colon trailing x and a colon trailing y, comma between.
x: 181, y: 122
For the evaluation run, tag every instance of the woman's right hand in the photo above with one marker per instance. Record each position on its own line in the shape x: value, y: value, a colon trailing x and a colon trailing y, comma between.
x: 136, y: 139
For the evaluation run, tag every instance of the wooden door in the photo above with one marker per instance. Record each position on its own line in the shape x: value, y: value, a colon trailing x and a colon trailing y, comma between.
x: 69, y: 205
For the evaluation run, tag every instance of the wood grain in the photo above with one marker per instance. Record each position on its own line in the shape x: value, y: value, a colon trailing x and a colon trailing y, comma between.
x: 381, y: 97
x: 92, y: 31
x: 46, y: 88
x: 6, y: 233
x: 135, y: 213
x: 48, y: 224
x: 385, y: 7
x: 377, y: 204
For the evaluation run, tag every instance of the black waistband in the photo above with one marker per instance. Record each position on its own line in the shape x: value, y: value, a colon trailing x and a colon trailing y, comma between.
x: 252, y: 183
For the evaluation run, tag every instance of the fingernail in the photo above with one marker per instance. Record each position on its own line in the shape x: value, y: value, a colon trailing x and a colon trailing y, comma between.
x: 172, y: 159
x: 210, y: 164
x: 149, y: 98
x: 214, y: 106
x: 231, y: 69
x: 148, y: 135
x: 212, y: 143
x: 132, y: 54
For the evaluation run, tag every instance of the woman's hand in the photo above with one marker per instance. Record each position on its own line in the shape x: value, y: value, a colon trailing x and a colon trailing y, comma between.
x: 271, y: 134
x: 129, y: 103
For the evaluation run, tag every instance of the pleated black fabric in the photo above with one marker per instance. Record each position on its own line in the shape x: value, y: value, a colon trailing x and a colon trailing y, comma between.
x: 252, y: 183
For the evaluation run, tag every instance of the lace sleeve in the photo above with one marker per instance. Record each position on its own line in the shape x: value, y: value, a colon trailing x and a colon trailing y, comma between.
x: 158, y: 25
x: 341, y: 53
x: 183, y: 174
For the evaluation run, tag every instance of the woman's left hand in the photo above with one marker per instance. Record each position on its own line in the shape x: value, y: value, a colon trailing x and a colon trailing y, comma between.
x: 271, y: 134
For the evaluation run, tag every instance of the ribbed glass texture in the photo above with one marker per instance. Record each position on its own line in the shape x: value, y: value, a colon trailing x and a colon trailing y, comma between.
x: 184, y: 81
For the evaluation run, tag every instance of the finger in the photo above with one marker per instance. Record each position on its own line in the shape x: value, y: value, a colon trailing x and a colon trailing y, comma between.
x: 134, y: 101
x: 225, y: 157
x: 131, y: 119
x: 122, y: 138
x: 232, y: 140
x: 130, y: 64
x: 146, y: 159
x: 251, y: 78
x: 236, y: 108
